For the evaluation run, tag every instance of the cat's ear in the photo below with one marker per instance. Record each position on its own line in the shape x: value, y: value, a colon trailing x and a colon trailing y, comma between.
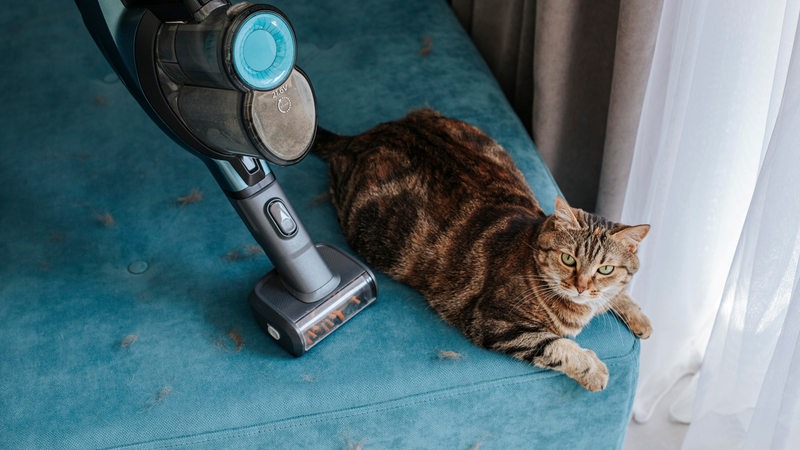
x: 564, y: 214
x: 632, y: 236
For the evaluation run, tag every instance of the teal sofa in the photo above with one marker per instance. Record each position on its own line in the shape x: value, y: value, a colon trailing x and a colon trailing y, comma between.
x: 124, y: 271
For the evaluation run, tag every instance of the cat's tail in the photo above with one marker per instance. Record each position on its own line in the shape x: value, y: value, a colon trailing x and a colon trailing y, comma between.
x: 327, y: 143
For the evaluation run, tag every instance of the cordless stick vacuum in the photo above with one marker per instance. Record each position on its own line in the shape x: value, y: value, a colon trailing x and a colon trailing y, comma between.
x: 220, y: 79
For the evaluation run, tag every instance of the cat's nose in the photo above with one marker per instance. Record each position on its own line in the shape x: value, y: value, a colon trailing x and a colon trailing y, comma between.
x: 581, y: 285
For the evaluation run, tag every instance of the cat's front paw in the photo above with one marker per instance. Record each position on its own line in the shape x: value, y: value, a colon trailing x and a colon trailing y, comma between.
x: 580, y: 364
x: 633, y: 316
x: 594, y: 373
x: 639, y: 325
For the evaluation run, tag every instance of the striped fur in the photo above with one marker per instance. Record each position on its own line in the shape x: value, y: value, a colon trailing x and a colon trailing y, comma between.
x: 437, y: 204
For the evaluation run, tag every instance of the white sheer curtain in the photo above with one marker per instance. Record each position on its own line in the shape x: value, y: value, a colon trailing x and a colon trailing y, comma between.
x: 750, y: 381
x: 723, y: 251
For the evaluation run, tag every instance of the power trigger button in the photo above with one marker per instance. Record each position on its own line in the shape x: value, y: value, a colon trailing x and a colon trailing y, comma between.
x: 280, y: 218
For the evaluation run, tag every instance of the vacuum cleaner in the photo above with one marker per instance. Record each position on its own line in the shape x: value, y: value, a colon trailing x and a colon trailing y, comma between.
x: 220, y: 79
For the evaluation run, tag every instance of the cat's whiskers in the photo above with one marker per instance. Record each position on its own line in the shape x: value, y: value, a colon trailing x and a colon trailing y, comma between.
x: 530, y: 246
x: 543, y: 292
x: 535, y: 278
x: 621, y: 318
x: 525, y: 297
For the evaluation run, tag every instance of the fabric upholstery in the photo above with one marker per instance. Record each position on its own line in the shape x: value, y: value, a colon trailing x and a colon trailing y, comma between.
x: 124, y: 272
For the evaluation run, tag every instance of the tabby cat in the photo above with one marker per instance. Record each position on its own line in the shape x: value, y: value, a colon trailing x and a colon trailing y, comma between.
x: 437, y: 204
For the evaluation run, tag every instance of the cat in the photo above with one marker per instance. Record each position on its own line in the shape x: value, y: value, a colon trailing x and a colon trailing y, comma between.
x: 437, y: 204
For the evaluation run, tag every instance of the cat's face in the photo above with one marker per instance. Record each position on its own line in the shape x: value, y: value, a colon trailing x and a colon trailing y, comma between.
x: 585, y: 258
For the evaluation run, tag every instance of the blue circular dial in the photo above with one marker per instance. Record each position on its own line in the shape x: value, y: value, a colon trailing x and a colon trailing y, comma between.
x: 264, y: 51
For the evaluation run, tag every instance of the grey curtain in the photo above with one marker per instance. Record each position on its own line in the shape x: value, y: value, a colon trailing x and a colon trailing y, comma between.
x: 575, y: 72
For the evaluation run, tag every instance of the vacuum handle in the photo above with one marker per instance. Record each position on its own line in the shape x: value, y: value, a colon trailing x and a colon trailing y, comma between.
x: 275, y: 225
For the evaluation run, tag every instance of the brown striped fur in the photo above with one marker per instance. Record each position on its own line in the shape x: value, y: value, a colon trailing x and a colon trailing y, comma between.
x: 437, y: 204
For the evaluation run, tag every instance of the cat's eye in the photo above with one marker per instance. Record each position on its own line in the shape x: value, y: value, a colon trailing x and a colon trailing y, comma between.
x: 568, y: 259
x: 605, y: 270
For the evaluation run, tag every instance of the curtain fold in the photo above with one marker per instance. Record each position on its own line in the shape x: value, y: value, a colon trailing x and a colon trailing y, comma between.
x: 636, y: 35
x: 574, y: 72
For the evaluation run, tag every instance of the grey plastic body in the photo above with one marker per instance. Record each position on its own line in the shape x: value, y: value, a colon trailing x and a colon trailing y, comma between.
x: 298, y: 327
x: 273, y: 222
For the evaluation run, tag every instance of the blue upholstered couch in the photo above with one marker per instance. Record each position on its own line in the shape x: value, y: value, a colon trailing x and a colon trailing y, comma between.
x: 124, y: 272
